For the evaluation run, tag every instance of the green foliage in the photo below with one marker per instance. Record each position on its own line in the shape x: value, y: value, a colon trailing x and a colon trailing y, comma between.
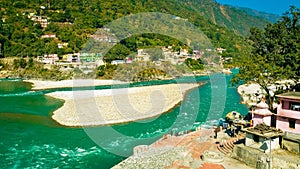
x: 143, y: 71
x: 155, y: 53
x: 19, y: 63
x: 194, y: 64
x: 118, y: 52
x: 22, y: 36
x: 275, y: 55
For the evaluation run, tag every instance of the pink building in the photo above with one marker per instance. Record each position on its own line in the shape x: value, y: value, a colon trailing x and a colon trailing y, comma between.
x: 262, y: 114
x: 288, y: 112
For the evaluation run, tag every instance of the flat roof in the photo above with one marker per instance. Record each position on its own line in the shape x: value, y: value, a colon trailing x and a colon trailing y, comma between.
x: 264, y: 131
x: 290, y: 95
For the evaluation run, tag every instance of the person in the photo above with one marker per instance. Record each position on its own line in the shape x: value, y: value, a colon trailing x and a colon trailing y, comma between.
x: 217, y: 129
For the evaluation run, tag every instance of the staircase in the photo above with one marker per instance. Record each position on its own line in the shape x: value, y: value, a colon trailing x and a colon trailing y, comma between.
x: 227, y: 146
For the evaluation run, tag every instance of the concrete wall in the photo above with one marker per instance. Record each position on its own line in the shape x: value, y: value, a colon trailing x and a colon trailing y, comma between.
x: 283, y: 124
x: 284, y: 110
x: 263, y: 144
x: 290, y: 145
x: 257, y: 119
x: 259, y: 160
x: 252, y: 157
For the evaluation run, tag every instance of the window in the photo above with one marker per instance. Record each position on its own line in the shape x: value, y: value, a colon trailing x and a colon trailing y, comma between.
x: 256, y: 138
x: 292, y: 123
x: 295, y: 106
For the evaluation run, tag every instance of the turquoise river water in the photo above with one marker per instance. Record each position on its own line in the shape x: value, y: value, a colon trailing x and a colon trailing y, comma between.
x: 29, y: 138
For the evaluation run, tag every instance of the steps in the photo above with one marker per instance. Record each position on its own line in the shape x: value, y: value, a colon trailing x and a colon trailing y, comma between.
x: 227, y: 146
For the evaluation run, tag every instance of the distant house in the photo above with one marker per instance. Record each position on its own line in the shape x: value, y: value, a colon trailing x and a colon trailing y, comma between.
x: 128, y: 60
x: 62, y: 45
x: 117, y: 62
x: 43, y: 20
x: 90, y: 57
x: 72, y: 57
x: 142, y: 56
x: 221, y: 50
x: 288, y: 112
x: 50, y: 58
x: 48, y: 36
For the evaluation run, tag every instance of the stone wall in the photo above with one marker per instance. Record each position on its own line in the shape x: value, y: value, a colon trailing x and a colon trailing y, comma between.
x: 279, y: 159
x: 291, y: 145
x: 252, y: 157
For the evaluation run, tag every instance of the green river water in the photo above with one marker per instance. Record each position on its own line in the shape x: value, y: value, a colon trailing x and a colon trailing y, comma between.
x: 29, y: 138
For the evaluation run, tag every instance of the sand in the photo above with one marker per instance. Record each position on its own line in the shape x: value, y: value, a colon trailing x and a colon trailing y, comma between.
x: 113, y: 106
x: 38, y: 84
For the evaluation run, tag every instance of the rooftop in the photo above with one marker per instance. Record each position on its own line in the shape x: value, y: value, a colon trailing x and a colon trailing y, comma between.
x: 290, y: 95
x: 264, y: 131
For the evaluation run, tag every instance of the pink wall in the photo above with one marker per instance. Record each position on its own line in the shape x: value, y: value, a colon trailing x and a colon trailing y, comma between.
x: 288, y: 113
x: 257, y: 119
x: 283, y: 124
x: 286, y: 104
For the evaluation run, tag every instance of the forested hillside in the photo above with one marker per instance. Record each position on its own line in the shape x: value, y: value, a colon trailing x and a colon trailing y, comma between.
x: 73, y: 21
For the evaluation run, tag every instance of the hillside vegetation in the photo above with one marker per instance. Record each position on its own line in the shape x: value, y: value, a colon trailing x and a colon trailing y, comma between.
x: 73, y: 21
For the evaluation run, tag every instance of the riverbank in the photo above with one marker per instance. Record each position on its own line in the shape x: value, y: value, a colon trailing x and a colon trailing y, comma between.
x: 253, y: 93
x: 39, y: 84
x: 113, y: 106
x: 198, y: 149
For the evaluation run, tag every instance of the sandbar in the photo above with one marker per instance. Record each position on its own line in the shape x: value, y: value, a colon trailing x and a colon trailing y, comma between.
x: 114, y: 106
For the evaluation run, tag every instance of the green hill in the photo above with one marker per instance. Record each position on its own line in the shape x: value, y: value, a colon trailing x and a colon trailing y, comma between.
x: 236, y: 19
x: 73, y: 21
x: 270, y: 17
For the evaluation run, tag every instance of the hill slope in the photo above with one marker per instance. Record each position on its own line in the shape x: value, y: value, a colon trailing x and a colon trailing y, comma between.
x: 230, y: 17
x: 73, y: 21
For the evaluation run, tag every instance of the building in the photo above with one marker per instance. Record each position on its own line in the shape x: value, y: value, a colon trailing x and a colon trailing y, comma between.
x: 75, y: 57
x: 263, y: 137
x: 220, y: 50
x: 117, y: 62
x: 62, y: 45
x: 49, y: 58
x: 261, y: 114
x: 48, y: 36
x: 288, y: 112
x: 142, y: 56
x: 43, y: 20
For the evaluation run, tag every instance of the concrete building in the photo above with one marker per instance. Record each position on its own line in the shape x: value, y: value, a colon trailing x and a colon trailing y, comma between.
x: 117, y: 62
x: 288, y: 112
x: 261, y: 114
x: 263, y: 137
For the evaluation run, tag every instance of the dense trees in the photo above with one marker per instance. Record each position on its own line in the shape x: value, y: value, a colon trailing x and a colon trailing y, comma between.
x: 275, y: 54
x: 194, y: 65
x: 74, y: 21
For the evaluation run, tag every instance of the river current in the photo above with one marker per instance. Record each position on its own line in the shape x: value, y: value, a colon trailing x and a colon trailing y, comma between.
x: 29, y: 138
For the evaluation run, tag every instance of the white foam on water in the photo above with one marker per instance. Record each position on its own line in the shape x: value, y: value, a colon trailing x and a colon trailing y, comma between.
x: 46, y: 156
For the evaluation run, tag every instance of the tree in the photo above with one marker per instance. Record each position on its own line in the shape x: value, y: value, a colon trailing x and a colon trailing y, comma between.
x: 117, y: 52
x: 194, y: 64
x: 155, y: 53
x: 275, y: 54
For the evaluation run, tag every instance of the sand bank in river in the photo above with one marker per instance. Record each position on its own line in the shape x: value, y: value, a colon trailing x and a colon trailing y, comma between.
x: 112, y: 106
x: 38, y: 84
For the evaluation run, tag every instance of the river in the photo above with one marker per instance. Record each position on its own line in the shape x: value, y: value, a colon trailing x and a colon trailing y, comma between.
x: 29, y: 138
